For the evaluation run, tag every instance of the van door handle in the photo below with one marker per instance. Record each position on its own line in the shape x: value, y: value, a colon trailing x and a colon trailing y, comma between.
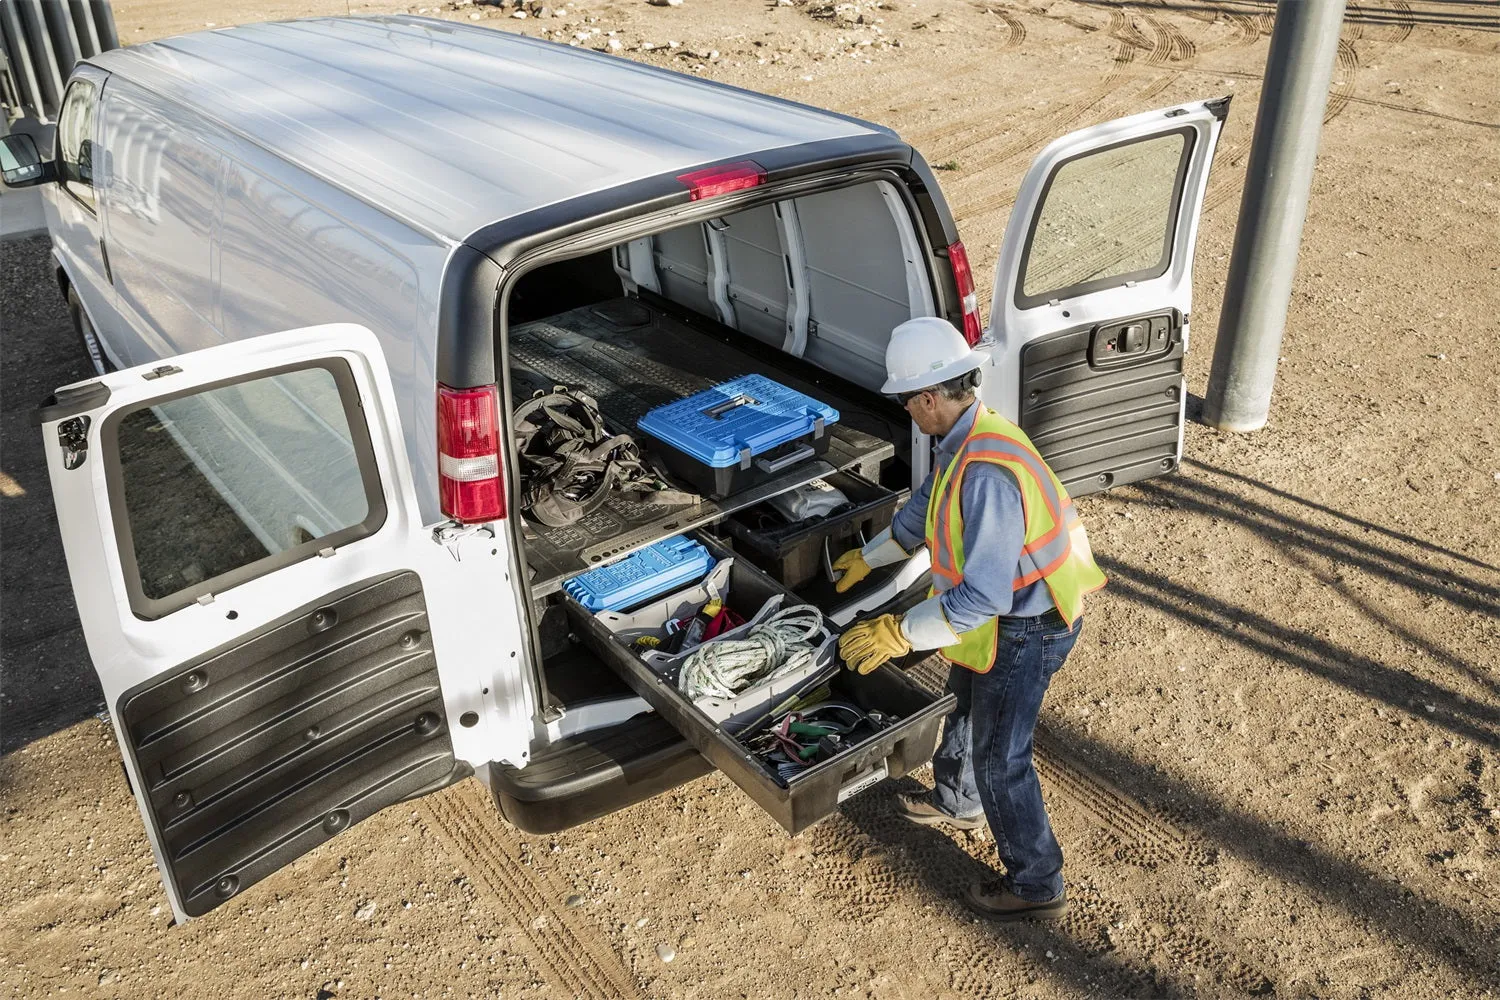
x: 104, y: 254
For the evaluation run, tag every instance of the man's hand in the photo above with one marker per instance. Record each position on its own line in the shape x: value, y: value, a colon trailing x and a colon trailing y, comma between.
x: 853, y: 567
x: 869, y: 644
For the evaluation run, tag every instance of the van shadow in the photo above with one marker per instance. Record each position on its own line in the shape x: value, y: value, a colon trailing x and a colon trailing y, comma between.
x: 47, y: 682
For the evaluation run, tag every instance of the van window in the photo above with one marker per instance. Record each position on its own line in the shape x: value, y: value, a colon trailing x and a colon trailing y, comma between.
x: 221, y: 485
x: 75, y: 140
x: 1106, y: 218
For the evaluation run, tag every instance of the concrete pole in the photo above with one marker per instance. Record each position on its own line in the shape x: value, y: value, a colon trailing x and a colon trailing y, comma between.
x: 1278, y: 177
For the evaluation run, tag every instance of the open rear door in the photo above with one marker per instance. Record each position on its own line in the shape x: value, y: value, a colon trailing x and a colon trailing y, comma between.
x: 265, y: 613
x: 1093, y: 290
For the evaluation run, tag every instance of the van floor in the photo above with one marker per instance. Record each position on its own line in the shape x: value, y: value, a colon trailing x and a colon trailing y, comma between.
x: 631, y: 357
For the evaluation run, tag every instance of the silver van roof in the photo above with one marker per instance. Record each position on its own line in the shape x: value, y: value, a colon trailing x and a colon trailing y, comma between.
x: 452, y: 126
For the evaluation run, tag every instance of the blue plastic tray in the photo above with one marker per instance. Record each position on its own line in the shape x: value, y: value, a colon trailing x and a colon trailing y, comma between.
x: 656, y: 569
x: 736, y: 420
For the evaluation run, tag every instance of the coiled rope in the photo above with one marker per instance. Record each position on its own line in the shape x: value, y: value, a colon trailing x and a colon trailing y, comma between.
x: 781, y: 644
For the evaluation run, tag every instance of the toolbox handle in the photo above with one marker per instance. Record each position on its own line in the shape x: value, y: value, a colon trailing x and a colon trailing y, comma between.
x: 785, y: 461
x: 717, y: 412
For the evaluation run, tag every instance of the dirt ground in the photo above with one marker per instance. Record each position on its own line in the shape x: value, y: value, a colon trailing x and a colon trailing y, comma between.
x: 1274, y: 758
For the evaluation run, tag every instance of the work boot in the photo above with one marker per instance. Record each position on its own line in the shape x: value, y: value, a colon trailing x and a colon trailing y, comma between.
x: 994, y: 900
x: 919, y: 809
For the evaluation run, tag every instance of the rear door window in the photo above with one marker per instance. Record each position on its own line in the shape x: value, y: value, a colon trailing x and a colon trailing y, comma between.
x: 1107, y: 217
x: 75, y: 140
x: 224, y: 484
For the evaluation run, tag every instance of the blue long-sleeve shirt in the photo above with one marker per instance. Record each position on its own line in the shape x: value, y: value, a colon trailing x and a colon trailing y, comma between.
x: 994, y: 531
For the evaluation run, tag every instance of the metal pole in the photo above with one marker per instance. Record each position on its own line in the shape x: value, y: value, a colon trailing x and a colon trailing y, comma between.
x: 1304, y: 45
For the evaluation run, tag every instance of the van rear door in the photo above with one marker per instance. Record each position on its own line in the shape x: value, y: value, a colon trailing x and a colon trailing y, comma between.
x: 284, y: 648
x: 1093, y: 290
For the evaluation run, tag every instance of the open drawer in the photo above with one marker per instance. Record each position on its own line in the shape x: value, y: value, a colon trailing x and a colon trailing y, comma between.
x: 810, y: 794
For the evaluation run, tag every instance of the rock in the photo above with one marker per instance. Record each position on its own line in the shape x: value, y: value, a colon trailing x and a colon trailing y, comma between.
x: 520, y: 13
x: 365, y: 911
x: 646, y: 920
x: 574, y: 901
x: 665, y: 3
x: 542, y: 11
x: 666, y: 952
x: 615, y: 45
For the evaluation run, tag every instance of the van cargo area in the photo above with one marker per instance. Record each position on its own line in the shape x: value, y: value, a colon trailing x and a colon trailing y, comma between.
x: 656, y: 320
x: 770, y: 291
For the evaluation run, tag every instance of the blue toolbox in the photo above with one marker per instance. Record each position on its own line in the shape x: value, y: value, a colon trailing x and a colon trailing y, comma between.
x: 666, y: 565
x: 739, y: 433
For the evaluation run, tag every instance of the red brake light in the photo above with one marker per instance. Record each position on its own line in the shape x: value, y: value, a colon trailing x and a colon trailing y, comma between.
x: 724, y: 178
x: 958, y: 257
x: 469, y: 463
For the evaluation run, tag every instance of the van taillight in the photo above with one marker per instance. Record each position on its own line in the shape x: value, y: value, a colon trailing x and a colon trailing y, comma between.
x: 469, y: 470
x: 723, y: 179
x: 964, y: 278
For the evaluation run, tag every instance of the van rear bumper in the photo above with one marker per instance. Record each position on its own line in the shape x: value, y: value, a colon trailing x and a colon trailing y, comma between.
x: 583, y: 777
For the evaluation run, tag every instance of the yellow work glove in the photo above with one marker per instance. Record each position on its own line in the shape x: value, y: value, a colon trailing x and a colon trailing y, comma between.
x: 852, y: 564
x: 869, y: 644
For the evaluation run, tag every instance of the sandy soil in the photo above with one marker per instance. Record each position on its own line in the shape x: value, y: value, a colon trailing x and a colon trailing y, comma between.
x: 1274, y: 759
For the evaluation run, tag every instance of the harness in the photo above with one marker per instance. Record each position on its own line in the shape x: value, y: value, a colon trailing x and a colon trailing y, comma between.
x: 570, y: 462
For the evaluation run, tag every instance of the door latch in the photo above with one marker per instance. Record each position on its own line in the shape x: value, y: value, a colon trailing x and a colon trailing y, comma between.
x: 73, y: 438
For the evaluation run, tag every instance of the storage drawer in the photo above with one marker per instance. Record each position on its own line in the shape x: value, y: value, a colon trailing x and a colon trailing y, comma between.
x: 814, y: 793
x: 800, y: 554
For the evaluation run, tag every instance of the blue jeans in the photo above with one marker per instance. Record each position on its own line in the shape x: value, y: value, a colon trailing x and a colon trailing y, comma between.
x: 983, y: 763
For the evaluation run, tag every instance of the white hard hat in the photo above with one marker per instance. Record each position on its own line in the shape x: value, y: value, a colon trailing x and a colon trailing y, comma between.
x: 924, y: 352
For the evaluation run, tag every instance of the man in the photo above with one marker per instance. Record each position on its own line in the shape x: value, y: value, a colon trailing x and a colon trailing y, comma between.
x: 1010, y: 567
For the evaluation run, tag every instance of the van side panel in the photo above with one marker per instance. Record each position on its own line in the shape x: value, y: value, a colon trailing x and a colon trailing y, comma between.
x: 295, y: 251
x: 163, y: 206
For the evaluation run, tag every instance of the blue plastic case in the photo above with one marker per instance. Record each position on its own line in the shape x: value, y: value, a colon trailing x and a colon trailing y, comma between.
x: 665, y: 565
x: 715, y: 437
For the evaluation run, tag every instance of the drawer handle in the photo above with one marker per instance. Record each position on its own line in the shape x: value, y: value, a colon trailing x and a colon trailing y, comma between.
x: 790, y: 459
x: 863, y: 780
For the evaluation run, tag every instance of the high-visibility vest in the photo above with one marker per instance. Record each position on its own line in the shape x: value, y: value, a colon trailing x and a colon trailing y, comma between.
x: 1056, y: 548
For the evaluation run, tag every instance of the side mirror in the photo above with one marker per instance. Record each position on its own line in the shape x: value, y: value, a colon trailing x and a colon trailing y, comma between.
x: 20, y: 163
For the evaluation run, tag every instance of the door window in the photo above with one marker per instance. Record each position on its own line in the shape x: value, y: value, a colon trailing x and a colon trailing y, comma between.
x: 216, y: 487
x: 1106, y: 218
x: 75, y: 140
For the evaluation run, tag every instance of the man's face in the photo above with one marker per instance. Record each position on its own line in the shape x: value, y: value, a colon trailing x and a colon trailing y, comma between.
x: 923, y: 410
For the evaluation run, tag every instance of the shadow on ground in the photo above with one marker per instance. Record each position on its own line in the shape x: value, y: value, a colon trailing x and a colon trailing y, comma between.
x: 1088, y: 956
x: 46, y: 680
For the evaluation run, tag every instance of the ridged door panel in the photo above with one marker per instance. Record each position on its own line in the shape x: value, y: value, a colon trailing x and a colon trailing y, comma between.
x: 257, y: 752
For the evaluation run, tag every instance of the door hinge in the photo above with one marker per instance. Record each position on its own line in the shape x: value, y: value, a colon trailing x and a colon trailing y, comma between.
x: 161, y: 371
x: 452, y: 535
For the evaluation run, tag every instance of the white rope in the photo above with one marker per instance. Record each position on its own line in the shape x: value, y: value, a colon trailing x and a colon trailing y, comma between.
x: 777, y: 646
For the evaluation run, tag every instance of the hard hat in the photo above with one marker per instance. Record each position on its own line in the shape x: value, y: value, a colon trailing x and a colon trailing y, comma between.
x: 924, y: 352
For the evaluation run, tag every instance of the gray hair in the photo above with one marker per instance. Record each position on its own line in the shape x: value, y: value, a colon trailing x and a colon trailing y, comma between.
x: 961, y: 389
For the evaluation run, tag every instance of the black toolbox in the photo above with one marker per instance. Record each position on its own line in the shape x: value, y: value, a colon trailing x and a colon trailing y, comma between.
x: 801, y: 552
x: 817, y: 792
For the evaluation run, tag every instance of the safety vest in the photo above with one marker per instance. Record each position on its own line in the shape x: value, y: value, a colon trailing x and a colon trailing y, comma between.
x: 1056, y: 548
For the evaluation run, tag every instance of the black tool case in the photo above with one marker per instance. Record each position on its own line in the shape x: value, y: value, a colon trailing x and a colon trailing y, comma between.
x: 818, y: 791
x: 798, y: 554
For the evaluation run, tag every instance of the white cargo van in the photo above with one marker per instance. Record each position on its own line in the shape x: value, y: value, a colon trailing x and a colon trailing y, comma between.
x: 319, y: 264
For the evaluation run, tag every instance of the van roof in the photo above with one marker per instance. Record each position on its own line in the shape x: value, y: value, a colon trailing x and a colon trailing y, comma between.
x: 451, y: 126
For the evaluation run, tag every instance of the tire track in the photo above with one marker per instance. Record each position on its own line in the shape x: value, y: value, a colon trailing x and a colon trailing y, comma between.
x: 1168, y: 46
x: 1404, y: 23
x: 1343, y: 88
x: 1096, y: 925
x: 1144, y: 832
x: 563, y: 947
